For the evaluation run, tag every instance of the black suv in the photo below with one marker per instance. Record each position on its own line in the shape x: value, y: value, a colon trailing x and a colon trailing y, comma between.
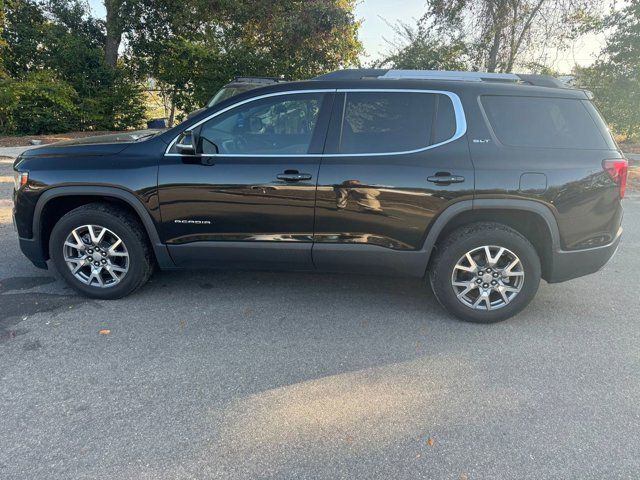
x: 480, y: 183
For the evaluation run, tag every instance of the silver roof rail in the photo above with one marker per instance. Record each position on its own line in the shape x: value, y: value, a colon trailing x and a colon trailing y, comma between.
x: 451, y: 75
x: 386, y: 74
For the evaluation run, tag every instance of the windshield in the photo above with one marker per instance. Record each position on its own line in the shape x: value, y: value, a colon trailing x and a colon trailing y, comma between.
x: 232, y: 91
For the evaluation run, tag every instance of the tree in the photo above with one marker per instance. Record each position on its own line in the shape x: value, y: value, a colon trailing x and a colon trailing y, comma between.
x: 623, y: 46
x: 294, y: 38
x: 190, y: 49
x: 61, y: 41
x: 501, y: 33
x: 193, y: 50
x: 418, y: 49
x: 3, y: 43
x: 615, y: 77
x: 39, y: 103
x: 146, y: 22
x: 22, y: 33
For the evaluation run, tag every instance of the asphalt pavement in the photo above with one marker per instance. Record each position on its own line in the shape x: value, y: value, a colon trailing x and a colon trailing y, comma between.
x: 292, y: 376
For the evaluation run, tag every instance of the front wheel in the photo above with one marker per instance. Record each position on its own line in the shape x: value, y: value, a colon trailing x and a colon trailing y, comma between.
x: 485, y: 273
x: 101, y: 251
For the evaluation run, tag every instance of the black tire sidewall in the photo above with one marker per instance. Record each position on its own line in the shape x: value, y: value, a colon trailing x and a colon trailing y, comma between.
x: 137, y: 258
x: 440, y: 275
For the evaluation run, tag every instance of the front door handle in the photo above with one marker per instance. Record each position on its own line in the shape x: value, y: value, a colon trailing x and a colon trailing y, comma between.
x: 445, y: 179
x: 294, y: 176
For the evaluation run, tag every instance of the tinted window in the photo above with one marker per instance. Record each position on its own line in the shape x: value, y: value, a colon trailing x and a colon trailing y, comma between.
x: 380, y: 122
x: 228, y: 92
x: 277, y: 125
x: 542, y: 122
x: 445, y: 126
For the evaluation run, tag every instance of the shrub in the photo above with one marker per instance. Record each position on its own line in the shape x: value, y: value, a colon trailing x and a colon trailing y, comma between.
x: 118, y: 105
x: 38, y: 104
x: 42, y: 103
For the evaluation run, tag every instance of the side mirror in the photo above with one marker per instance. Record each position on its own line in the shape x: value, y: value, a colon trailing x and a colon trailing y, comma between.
x: 186, y: 144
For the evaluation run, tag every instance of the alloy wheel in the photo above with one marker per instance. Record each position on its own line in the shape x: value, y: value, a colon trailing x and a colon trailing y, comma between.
x: 96, y: 256
x: 487, y: 277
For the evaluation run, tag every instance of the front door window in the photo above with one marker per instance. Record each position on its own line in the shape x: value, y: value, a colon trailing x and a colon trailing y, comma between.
x: 282, y: 125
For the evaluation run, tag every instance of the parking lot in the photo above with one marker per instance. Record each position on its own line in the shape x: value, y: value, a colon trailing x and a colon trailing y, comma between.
x: 269, y: 375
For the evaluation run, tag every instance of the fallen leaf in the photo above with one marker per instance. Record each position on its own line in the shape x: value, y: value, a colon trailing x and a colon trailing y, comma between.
x: 104, y: 332
x: 430, y: 442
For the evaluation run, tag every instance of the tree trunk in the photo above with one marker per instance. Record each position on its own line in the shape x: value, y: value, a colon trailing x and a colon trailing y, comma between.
x: 496, y: 12
x: 492, y: 63
x: 525, y: 30
x: 111, y: 47
x: 114, y: 31
x: 172, y: 115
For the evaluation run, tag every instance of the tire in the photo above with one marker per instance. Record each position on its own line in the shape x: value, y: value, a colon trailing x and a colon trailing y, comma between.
x: 451, y: 264
x: 124, y: 267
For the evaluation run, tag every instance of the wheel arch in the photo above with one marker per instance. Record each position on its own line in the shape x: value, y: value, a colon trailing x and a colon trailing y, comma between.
x: 532, y: 219
x: 69, y: 197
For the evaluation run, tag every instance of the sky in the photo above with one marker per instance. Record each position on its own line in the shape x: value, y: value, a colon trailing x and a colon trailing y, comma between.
x: 379, y: 16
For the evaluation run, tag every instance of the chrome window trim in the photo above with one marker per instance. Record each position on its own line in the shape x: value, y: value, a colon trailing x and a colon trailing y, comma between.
x: 461, y: 124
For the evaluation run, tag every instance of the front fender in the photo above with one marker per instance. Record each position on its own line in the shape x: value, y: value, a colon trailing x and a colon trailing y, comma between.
x: 160, y: 250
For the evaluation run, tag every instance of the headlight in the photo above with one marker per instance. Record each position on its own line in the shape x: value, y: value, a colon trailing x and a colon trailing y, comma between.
x: 20, y: 179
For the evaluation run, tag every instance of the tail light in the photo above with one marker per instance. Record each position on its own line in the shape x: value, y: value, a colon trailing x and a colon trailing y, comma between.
x: 617, y: 169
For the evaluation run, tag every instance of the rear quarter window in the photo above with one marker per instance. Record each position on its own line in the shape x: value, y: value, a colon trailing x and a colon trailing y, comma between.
x: 542, y: 122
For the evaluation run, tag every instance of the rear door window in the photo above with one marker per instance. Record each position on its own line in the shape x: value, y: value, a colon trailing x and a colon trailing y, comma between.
x: 391, y: 122
x: 542, y: 122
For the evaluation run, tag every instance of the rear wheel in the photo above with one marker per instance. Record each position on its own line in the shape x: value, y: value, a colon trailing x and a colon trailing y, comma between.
x: 101, y: 251
x: 485, y: 272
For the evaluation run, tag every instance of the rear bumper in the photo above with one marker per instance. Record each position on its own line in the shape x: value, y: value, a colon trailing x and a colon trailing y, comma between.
x: 33, y: 251
x: 566, y: 265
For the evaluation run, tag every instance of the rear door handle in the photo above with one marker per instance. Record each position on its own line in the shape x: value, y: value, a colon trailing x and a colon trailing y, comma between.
x: 445, y: 179
x: 294, y: 176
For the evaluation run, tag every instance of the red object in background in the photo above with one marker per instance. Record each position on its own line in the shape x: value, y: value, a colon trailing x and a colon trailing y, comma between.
x: 617, y: 169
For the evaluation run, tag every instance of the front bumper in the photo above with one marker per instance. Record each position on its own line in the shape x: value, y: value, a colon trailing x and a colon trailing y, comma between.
x: 566, y: 265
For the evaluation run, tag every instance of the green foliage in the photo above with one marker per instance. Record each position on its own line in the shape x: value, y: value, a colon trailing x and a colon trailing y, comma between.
x: 3, y: 43
x: 117, y: 103
x: 191, y: 48
x: 623, y: 47
x: 192, y: 52
x: 22, y: 34
x: 185, y: 68
x: 615, y: 78
x: 60, y: 37
x: 38, y: 104
x: 297, y: 38
x: 617, y: 97
x: 418, y: 49
x: 501, y: 35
